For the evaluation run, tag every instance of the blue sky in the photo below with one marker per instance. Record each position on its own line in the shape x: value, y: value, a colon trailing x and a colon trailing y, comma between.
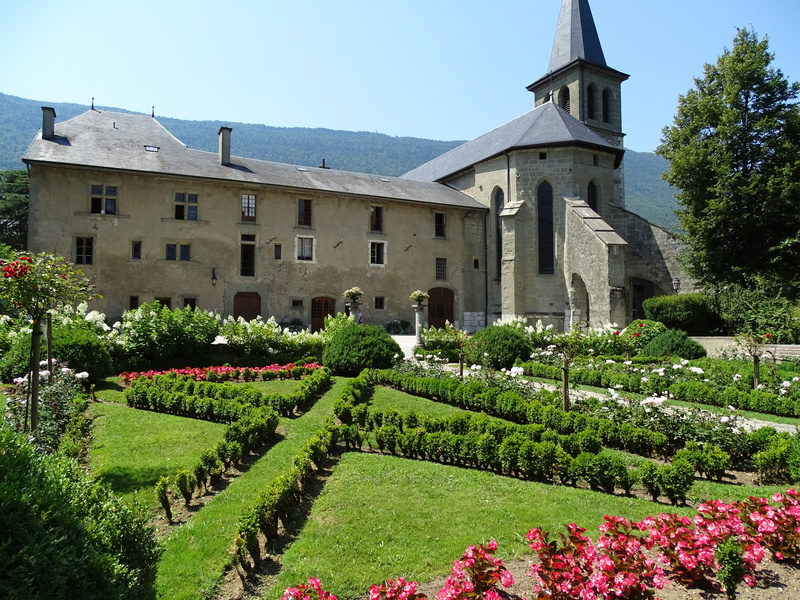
x: 439, y: 69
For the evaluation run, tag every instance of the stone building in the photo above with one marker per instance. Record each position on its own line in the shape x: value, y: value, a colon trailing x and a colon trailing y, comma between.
x: 525, y: 221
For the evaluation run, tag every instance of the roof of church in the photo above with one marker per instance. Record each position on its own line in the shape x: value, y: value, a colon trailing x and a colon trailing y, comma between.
x: 576, y: 36
x: 546, y: 125
x: 139, y: 143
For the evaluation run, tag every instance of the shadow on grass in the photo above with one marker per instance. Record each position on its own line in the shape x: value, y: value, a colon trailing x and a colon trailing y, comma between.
x: 263, y: 577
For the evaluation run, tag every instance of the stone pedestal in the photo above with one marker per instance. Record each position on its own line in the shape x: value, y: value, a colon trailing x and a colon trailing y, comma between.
x: 419, y: 321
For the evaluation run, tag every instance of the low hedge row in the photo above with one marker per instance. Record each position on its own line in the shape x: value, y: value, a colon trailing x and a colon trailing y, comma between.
x: 217, y: 402
x: 278, y: 502
x: 510, y: 406
x: 688, y: 391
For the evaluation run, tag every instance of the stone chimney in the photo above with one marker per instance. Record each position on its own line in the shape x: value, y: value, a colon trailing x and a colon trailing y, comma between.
x: 225, y: 145
x: 48, y: 122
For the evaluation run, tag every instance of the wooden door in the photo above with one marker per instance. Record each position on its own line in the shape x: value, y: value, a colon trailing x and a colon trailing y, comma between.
x: 440, y: 307
x: 246, y: 305
x: 321, y: 307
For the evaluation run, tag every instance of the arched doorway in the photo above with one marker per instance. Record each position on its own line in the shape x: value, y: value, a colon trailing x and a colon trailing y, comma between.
x: 641, y: 291
x: 321, y: 307
x: 440, y: 307
x: 246, y: 305
x: 579, y: 299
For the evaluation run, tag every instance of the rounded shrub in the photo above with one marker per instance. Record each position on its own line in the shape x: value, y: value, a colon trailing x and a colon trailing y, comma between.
x: 498, y: 347
x: 693, y: 313
x: 354, y: 348
x: 674, y: 343
x: 79, y: 346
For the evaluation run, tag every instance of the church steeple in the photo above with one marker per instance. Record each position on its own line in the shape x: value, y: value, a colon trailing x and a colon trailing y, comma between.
x: 578, y: 77
x: 576, y: 36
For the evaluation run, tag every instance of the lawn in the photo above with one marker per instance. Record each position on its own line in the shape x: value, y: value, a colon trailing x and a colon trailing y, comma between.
x: 377, y: 516
x: 131, y: 449
x: 381, y: 516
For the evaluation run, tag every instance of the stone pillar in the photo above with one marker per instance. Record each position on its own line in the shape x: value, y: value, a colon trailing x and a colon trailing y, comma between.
x: 419, y: 321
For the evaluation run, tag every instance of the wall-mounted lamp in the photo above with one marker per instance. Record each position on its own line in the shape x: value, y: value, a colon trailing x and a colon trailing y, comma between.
x: 676, y: 284
x: 213, y: 276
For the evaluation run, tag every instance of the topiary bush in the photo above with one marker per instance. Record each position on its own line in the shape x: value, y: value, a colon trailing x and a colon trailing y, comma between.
x: 693, y: 313
x: 674, y: 343
x: 79, y: 346
x: 498, y: 347
x: 354, y: 348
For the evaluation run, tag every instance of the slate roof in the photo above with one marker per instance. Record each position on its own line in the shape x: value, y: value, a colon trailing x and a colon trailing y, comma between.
x: 546, y: 125
x: 118, y: 141
x: 576, y: 36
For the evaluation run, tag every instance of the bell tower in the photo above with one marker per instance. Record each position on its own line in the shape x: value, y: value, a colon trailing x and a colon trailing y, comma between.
x: 578, y: 77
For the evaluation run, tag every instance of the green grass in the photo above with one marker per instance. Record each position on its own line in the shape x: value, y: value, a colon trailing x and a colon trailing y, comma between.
x: 381, y: 517
x: 197, y: 554
x: 131, y: 449
x: 276, y: 386
x: 384, y: 398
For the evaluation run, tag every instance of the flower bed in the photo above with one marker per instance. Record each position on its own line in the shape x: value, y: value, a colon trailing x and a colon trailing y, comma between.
x: 228, y: 373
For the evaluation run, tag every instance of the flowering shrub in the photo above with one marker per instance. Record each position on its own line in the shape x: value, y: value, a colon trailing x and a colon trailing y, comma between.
x: 308, y: 591
x: 61, y: 402
x: 396, y: 589
x: 575, y: 569
x: 418, y: 296
x: 476, y: 575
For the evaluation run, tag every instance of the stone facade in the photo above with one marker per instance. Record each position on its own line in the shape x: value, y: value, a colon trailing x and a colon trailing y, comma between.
x: 526, y: 221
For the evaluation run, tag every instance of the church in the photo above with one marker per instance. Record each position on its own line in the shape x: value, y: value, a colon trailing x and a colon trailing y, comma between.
x: 526, y: 221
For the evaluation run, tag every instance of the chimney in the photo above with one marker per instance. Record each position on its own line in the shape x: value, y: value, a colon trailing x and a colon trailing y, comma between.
x: 225, y: 145
x: 48, y: 122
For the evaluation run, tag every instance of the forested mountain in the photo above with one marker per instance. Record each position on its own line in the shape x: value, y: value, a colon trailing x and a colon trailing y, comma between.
x: 360, y: 151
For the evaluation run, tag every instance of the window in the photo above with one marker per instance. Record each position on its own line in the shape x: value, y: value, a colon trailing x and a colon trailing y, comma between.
x: 380, y: 303
x: 305, y: 248
x: 185, y: 206
x: 103, y: 199
x: 84, y: 251
x: 178, y: 252
x: 247, y: 257
x: 563, y: 98
x: 249, y: 207
x: 377, y: 253
x: 304, y: 213
x: 190, y: 303
x: 278, y: 251
x: 164, y: 301
x: 440, y: 230
x: 441, y: 269
x: 133, y: 302
x: 590, y: 112
x: 606, y: 106
x: 499, y: 205
x: 545, y: 230
x: 297, y: 304
x: 542, y: 155
x: 592, y: 196
x: 376, y: 219
x: 136, y: 250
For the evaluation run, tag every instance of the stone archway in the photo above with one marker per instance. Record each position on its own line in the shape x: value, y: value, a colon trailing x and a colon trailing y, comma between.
x: 579, y: 302
x: 440, y: 307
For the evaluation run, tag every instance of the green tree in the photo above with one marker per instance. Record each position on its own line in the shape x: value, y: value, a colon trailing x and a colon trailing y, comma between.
x: 734, y: 152
x: 14, y: 195
x: 35, y: 285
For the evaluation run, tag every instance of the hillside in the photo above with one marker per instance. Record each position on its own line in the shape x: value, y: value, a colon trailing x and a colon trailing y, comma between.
x: 361, y: 151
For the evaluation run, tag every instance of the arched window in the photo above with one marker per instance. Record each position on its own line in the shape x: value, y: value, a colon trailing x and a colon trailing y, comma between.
x: 592, y: 196
x: 499, y: 205
x: 606, y: 106
x: 590, y: 112
x: 545, y: 230
x: 563, y: 98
